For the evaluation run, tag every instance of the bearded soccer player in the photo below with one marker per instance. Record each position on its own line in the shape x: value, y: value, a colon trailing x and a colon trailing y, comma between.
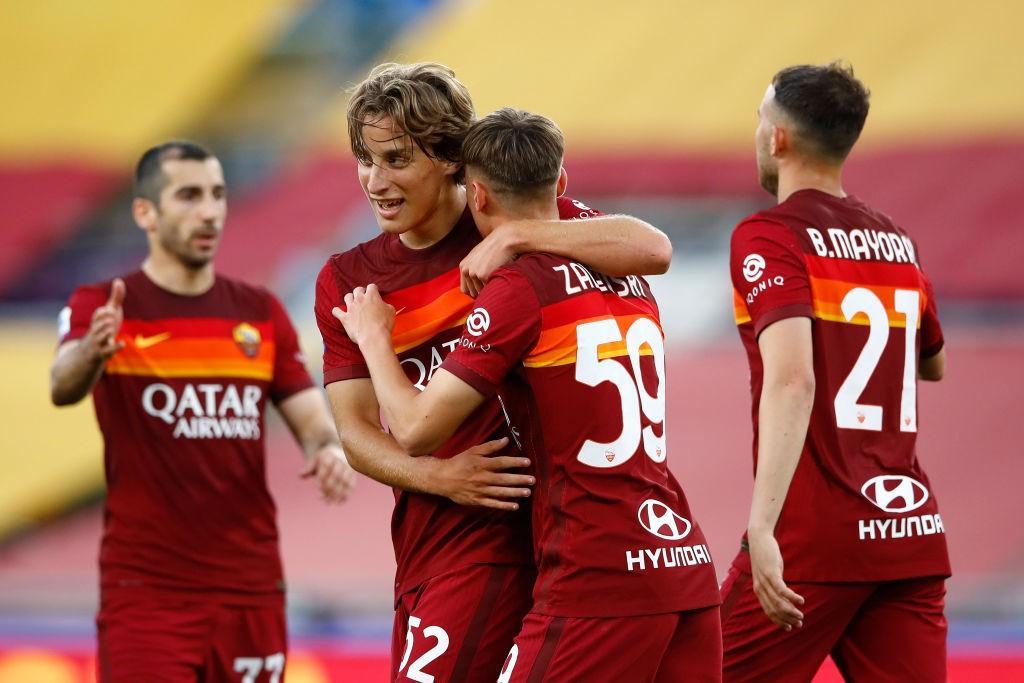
x: 462, y: 547
x: 181, y: 362
x: 845, y: 551
x: 626, y: 589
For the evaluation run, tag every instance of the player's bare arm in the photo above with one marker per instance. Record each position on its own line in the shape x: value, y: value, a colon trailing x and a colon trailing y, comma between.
x: 474, y: 477
x: 420, y: 420
x: 79, y: 363
x: 309, y: 421
x: 933, y: 368
x: 784, y: 413
x: 617, y: 245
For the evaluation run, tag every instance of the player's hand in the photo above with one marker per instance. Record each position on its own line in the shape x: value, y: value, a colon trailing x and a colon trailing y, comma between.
x: 334, y: 475
x: 492, y: 253
x: 101, y: 339
x: 777, y: 600
x: 478, y: 477
x: 365, y: 314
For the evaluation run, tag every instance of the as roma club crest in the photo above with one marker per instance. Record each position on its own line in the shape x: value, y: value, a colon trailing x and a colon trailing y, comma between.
x: 248, y: 339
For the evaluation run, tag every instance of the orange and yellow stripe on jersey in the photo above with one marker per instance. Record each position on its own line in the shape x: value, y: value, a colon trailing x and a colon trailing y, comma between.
x: 426, y: 309
x: 831, y: 280
x: 556, y: 343
x: 195, y: 347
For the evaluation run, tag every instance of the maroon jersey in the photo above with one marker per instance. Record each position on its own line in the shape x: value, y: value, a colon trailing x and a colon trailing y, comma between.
x: 431, y: 535
x: 613, y: 532
x: 181, y: 408
x: 860, y: 507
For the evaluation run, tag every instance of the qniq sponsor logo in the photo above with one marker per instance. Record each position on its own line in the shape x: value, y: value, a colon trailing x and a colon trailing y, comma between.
x: 895, y: 492
x: 659, y: 519
x: 478, y: 321
x: 753, y: 267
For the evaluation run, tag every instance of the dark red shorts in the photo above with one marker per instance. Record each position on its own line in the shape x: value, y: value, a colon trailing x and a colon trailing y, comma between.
x: 661, y: 648
x: 458, y: 627
x: 178, y: 640
x: 879, y: 632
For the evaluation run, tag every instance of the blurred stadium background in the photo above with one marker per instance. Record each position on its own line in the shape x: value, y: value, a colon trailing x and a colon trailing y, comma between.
x: 657, y: 100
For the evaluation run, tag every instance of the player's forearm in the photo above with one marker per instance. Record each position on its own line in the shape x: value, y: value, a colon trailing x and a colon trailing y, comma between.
x: 376, y: 454
x: 403, y: 405
x: 616, y: 245
x: 74, y: 373
x: 783, y: 416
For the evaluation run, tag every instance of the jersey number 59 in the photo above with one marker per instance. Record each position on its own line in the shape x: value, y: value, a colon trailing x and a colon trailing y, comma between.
x: 634, y: 395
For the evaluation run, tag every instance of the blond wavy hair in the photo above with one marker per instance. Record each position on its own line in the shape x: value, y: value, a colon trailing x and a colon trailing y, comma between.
x: 425, y: 100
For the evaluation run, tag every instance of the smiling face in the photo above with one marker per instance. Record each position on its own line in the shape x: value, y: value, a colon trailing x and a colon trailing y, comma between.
x: 187, y: 221
x: 405, y: 186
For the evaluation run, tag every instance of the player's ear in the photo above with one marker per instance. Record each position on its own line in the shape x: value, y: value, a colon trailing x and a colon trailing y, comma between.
x: 563, y: 182
x: 451, y: 167
x: 479, y: 195
x: 780, y: 141
x: 144, y: 213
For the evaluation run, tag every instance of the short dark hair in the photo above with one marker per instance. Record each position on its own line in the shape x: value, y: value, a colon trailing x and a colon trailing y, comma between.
x: 519, y: 152
x: 828, y: 105
x: 149, y: 175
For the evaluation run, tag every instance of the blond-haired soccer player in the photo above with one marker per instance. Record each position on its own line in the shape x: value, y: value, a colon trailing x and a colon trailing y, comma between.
x: 462, y: 546
x: 845, y: 551
x: 626, y: 589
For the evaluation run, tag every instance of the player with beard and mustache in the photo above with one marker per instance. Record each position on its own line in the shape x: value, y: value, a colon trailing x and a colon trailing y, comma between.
x: 845, y: 551
x: 180, y: 362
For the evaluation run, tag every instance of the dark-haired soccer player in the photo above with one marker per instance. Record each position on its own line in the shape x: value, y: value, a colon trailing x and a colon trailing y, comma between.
x: 626, y: 589
x: 181, y: 363
x: 464, y: 573
x: 839, y: 322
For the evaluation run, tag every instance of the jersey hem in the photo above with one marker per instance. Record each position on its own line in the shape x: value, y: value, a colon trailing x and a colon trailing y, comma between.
x: 469, y: 376
x: 781, y: 313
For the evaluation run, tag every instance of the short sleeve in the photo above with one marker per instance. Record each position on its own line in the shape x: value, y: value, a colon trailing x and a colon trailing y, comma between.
x: 573, y: 209
x: 75, y: 318
x: 290, y: 373
x: 342, y: 358
x: 499, y: 332
x: 768, y: 272
x: 932, y: 340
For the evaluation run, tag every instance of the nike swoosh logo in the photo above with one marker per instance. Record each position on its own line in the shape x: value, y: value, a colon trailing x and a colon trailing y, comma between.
x: 145, y: 342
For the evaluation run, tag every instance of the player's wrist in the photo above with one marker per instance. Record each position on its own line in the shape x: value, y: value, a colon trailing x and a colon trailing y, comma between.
x: 512, y: 238
x: 432, y: 475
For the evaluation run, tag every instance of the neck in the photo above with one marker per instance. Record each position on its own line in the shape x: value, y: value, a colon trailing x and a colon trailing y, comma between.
x: 441, y: 221
x: 801, y: 175
x: 174, y: 276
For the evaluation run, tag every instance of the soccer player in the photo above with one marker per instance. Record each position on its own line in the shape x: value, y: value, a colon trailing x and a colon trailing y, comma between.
x: 181, y: 363
x: 845, y: 551
x: 464, y: 571
x: 626, y: 589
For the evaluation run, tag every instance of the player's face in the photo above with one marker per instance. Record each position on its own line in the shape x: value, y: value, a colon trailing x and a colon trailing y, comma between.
x: 405, y: 186
x: 767, y: 165
x: 193, y: 206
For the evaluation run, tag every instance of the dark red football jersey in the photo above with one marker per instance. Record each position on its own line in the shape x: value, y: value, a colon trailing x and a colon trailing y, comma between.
x: 860, y: 507
x: 181, y: 408
x: 614, y: 534
x: 431, y: 535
